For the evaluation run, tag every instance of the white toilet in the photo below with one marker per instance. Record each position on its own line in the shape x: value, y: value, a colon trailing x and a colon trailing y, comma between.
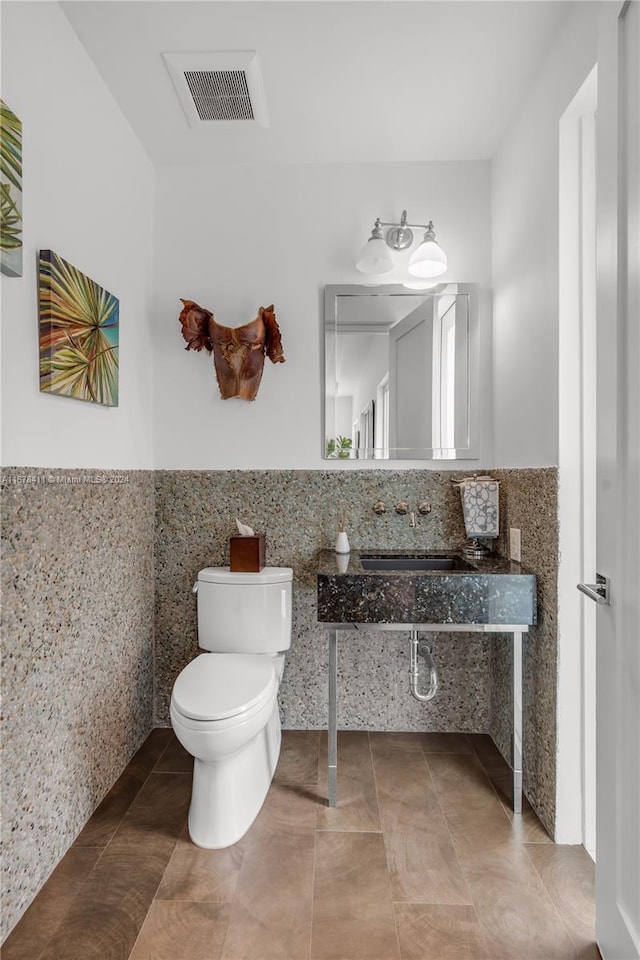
x: 224, y: 707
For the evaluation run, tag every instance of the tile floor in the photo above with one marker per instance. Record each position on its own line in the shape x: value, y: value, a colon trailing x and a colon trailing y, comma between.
x: 421, y: 860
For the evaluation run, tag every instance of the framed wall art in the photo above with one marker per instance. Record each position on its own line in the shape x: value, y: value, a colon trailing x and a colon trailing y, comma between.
x: 10, y: 192
x: 79, y: 333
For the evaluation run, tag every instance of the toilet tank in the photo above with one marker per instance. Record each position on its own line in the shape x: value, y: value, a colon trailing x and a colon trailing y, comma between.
x: 244, y: 612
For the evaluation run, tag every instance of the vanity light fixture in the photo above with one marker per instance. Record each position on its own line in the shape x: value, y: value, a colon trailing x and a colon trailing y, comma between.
x: 427, y: 261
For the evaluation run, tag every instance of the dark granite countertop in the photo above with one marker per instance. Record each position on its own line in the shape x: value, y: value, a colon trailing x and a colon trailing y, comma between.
x: 492, y: 590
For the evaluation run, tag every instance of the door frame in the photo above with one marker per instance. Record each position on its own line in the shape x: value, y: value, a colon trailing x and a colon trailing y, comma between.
x: 576, y: 350
x: 618, y: 515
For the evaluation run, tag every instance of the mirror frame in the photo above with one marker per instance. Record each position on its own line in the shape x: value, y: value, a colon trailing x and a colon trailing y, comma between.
x: 331, y: 294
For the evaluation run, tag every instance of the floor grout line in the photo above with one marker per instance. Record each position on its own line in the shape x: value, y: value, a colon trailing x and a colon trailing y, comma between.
x: 384, y: 845
x: 313, y: 876
x: 472, y: 902
x: 551, y: 898
x: 313, y: 796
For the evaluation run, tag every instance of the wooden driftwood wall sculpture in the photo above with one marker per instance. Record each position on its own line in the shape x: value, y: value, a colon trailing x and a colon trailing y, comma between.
x: 238, y: 352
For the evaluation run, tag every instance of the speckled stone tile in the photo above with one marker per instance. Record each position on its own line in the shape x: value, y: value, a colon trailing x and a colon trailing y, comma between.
x: 77, y: 658
x: 78, y: 607
x: 297, y: 511
x: 529, y: 500
x: 373, y: 683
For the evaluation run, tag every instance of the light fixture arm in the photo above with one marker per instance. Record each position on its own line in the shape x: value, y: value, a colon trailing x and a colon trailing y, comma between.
x: 403, y: 223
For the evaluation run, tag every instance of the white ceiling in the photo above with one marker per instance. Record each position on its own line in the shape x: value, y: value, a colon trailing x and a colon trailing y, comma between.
x: 386, y: 80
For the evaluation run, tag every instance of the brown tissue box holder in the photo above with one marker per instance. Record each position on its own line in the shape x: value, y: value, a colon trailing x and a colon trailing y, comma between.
x: 246, y: 554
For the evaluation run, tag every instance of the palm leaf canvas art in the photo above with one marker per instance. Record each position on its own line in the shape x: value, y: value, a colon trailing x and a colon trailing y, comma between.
x: 79, y: 327
x: 10, y: 192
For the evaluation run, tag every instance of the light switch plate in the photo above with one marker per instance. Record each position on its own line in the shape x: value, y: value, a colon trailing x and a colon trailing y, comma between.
x: 514, y: 544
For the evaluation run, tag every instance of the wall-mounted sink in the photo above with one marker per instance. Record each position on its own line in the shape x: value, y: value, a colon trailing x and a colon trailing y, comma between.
x: 412, y: 562
x: 386, y: 586
x: 435, y: 592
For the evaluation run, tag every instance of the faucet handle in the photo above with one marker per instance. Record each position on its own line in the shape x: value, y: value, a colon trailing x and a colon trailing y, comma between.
x: 402, y: 507
x: 424, y: 507
x: 379, y: 507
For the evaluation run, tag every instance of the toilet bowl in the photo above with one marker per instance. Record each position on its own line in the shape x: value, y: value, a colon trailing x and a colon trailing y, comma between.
x: 224, y: 712
x: 224, y: 708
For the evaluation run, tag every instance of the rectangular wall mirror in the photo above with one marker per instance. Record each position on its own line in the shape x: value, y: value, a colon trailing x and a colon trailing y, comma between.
x: 401, y: 372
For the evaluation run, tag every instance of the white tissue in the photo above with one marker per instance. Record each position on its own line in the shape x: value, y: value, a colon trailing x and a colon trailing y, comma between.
x: 243, y: 529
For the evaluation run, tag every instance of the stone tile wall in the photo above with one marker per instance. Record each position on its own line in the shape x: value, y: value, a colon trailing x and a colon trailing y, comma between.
x: 297, y: 511
x: 529, y: 501
x: 78, y: 624
x: 77, y: 658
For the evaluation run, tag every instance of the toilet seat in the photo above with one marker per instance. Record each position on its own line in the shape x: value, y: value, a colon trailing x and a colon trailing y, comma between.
x: 221, y: 686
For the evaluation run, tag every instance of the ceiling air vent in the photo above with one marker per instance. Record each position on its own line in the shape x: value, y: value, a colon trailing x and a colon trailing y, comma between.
x: 220, y: 88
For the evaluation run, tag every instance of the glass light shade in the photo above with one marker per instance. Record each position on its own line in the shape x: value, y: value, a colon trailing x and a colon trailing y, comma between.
x: 429, y: 260
x: 375, y: 257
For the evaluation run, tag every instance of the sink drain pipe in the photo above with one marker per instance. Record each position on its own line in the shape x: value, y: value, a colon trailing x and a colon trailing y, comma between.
x: 421, y: 648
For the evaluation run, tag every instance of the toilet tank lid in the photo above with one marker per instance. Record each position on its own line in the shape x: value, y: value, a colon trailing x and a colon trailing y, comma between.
x: 266, y: 575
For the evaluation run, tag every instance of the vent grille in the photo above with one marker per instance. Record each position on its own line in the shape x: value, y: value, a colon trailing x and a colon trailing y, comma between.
x: 219, y: 89
x: 220, y: 94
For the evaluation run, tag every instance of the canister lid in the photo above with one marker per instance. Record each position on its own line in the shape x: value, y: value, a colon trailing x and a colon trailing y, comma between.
x: 266, y: 575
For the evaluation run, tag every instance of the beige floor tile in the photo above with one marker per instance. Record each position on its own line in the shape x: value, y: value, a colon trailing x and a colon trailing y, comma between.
x: 152, y: 748
x: 469, y: 802
x: 457, y: 775
x: 201, y: 875
x: 106, y: 819
x: 289, y: 811
x: 108, y: 816
x: 175, y: 758
x: 568, y: 873
x: 400, y: 765
x: 309, y: 882
x: 182, y: 931
x: 421, y: 859
x: 157, y: 816
x: 422, y: 862
x: 487, y: 752
x: 270, y: 917
x: 357, y: 804
x: 105, y: 918
x: 298, y: 762
x: 40, y: 922
x: 396, y: 743
x: 526, y: 827
x: 352, y: 908
x: 517, y: 915
x: 450, y: 932
x: 445, y: 743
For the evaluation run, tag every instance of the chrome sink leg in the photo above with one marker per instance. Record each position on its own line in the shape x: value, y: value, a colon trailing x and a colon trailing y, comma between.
x: 516, y: 758
x: 332, y: 732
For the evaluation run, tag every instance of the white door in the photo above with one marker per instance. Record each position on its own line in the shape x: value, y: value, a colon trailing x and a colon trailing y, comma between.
x: 410, y: 389
x: 618, y: 484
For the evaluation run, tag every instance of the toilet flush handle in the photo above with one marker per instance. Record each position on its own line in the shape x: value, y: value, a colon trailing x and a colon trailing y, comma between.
x: 194, y: 588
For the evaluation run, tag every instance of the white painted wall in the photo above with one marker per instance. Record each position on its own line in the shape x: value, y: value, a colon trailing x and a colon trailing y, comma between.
x: 526, y: 290
x: 525, y: 191
x: 234, y: 237
x: 87, y: 195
